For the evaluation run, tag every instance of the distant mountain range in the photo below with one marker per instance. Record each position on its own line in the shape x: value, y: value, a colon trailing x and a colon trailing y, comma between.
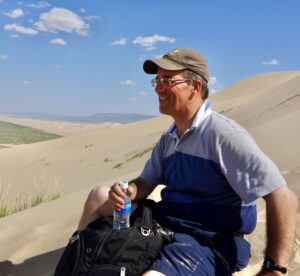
x: 122, y: 118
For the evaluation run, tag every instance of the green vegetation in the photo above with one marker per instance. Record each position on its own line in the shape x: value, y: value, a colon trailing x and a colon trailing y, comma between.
x: 289, y: 99
x: 118, y: 166
x: 140, y: 154
x: 3, y: 147
x: 17, y: 134
x: 42, y: 198
x: 135, y: 155
x: 23, y: 201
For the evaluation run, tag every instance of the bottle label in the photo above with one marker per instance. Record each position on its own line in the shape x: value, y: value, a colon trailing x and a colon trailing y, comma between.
x: 126, y: 209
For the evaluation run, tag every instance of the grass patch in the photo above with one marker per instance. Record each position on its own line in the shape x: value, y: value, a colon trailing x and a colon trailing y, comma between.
x: 3, y: 147
x: 224, y: 111
x: 118, y: 166
x: 42, y: 198
x: 16, y: 134
x: 140, y: 154
x: 23, y: 201
x: 107, y: 159
x: 136, y: 155
x: 288, y: 99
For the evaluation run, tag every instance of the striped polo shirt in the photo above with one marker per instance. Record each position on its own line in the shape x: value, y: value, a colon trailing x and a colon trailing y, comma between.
x: 213, y: 173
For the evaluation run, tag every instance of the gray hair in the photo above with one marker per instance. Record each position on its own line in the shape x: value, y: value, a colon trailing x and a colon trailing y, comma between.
x: 193, y: 76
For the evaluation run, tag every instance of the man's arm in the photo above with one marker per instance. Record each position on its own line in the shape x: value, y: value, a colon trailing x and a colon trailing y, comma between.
x: 140, y: 189
x: 281, y: 208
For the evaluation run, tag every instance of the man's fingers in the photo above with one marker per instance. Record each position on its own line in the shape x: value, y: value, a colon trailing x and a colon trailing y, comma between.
x: 130, y: 191
x: 116, y: 197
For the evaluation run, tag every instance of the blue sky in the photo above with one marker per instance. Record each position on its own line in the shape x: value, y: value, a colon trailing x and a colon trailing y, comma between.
x: 83, y: 57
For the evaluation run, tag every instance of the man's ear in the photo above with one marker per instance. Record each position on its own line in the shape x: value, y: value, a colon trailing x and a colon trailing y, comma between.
x: 197, y: 86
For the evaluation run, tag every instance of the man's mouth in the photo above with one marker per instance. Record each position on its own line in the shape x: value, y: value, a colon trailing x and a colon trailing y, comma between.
x: 163, y: 98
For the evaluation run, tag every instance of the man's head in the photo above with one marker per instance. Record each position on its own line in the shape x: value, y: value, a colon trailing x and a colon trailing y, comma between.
x: 181, y: 82
x: 190, y: 61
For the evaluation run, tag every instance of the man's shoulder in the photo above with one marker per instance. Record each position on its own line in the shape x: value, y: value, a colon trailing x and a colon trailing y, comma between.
x: 217, y: 128
x: 219, y: 123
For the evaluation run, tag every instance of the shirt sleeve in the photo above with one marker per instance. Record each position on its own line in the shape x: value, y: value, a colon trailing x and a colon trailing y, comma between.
x: 250, y: 172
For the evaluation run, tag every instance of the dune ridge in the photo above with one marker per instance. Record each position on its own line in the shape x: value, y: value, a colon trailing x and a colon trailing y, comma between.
x: 31, y: 241
x: 62, y: 128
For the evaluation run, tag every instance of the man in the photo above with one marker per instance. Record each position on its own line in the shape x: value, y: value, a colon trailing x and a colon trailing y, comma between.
x: 213, y: 171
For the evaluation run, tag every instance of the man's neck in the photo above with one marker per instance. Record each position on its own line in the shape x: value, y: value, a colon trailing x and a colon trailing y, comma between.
x: 183, y: 126
x: 184, y: 121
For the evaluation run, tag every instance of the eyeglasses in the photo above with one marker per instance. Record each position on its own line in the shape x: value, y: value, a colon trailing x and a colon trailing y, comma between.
x: 167, y: 81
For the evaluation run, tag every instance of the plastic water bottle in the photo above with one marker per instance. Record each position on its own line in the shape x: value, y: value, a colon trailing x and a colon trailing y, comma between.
x: 122, y: 217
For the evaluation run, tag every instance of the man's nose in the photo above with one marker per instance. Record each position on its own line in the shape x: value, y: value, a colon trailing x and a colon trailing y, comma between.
x: 159, y: 88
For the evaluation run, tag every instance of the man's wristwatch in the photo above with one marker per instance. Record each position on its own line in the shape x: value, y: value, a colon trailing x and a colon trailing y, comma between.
x: 270, y: 265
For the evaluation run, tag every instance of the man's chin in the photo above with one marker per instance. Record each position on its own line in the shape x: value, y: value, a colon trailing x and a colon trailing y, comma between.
x: 163, y: 111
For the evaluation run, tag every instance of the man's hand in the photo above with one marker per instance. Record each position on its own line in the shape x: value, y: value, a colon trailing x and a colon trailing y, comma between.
x: 138, y: 189
x: 116, y: 196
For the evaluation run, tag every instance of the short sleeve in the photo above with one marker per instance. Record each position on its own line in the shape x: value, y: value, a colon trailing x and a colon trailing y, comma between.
x: 249, y: 171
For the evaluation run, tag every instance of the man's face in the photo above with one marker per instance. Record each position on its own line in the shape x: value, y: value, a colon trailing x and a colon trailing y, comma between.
x: 175, y: 98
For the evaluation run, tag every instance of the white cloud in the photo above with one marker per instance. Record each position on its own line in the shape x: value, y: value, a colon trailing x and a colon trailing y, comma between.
x: 26, y: 82
x: 143, y: 93
x: 121, y: 41
x: 20, y: 29
x: 82, y: 10
x: 214, y: 85
x: 15, y: 13
x: 128, y: 82
x: 59, y: 19
x: 14, y: 35
x: 212, y: 91
x: 213, y: 80
x: 92, y: 17
x: 132, y: 99
x: 271, y: 62
x: 39, y: 5
x: 58, y: 41
x: 3, y: 57
x: 149, y: 42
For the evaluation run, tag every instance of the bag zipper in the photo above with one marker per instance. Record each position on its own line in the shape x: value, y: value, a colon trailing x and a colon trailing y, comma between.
x: 79, y: 245
x: 101, y: 246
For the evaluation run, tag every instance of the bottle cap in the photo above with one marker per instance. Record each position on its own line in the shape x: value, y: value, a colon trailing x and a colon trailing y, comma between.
x: 124, y: 184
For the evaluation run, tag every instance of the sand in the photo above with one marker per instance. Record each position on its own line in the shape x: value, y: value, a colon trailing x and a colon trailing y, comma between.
x: 31, y: 241
x: 57, y: 127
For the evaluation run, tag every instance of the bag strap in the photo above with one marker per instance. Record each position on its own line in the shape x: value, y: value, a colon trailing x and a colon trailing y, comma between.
x: 146, y: 224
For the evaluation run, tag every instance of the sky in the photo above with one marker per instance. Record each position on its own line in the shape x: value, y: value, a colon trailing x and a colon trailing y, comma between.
x: 81, y: 57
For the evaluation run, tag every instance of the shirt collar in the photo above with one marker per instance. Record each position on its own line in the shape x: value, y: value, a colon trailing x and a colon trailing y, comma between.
x: 201, y: 114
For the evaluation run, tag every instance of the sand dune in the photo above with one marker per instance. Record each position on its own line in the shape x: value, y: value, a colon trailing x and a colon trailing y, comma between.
x: 81, y: 160
x: 57, y: 127
x: 31, y: 241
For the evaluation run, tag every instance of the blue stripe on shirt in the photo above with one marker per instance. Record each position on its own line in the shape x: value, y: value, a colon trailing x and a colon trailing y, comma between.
x: 200, y: 185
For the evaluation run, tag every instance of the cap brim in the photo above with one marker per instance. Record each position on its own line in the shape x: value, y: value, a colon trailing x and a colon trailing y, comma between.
x: 151, y: 65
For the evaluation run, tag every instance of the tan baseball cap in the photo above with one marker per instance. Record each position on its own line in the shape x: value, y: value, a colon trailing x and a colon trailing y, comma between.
x: 179, y: 59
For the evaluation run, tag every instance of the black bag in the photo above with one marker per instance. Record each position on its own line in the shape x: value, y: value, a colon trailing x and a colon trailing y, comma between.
x: 101, y: 250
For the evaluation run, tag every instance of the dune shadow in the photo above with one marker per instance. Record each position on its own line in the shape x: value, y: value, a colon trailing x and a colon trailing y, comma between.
x: 40, y: 265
